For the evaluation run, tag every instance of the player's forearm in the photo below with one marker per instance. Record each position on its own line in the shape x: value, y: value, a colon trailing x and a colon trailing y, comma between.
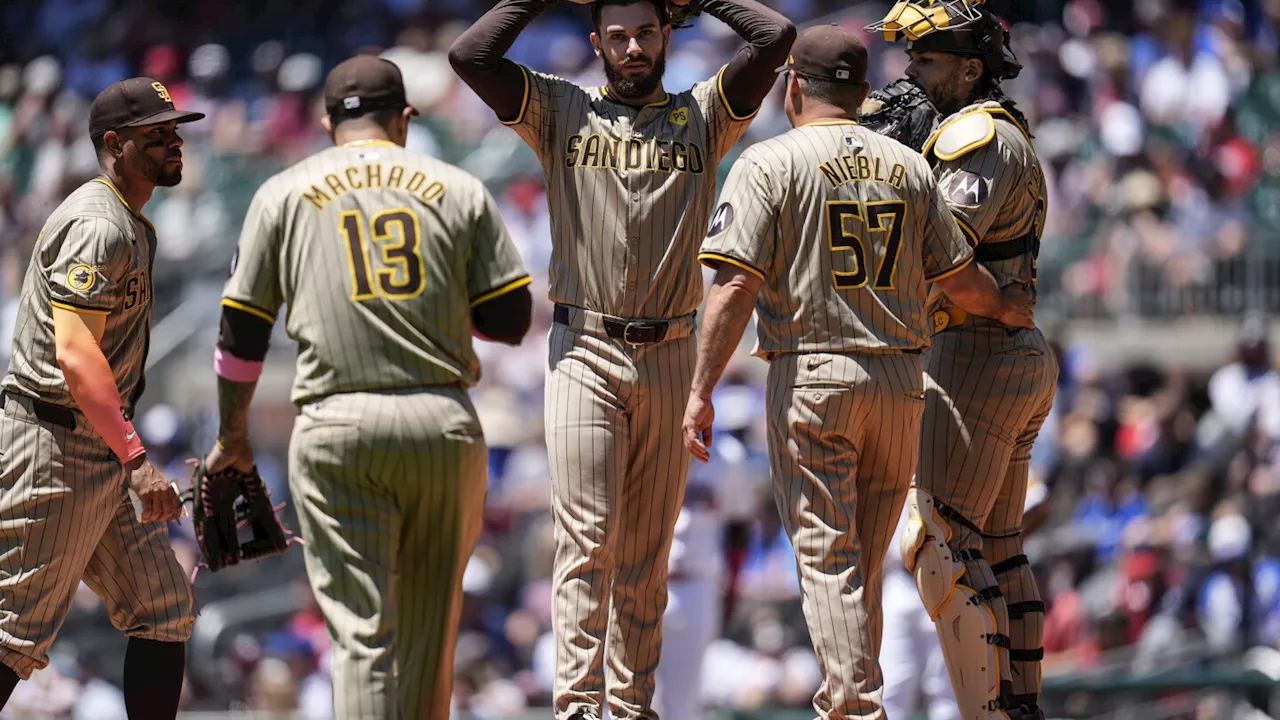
x: 477, y: 54
x: 975, y: 291
x: 752, y: 72
x: 243, y: 339
x: 234, y: 399
x: 729, y: 306
x: 93, y: 388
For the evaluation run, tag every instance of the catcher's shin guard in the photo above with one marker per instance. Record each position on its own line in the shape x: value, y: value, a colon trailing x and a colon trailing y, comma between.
x: 966, y: 625
x: 1026, y: 614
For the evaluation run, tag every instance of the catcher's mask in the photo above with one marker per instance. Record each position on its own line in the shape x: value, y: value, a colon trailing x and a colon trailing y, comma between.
x: 958, y: 27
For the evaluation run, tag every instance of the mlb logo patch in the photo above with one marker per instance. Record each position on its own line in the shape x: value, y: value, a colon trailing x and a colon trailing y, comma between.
x: 852, y: 143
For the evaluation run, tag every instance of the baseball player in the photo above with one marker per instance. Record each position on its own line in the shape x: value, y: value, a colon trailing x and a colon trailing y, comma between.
x: 989, y: 388
x: 830, y: 233
x: 69, y: 453
x: 388, y: 262
x: 631, y: 172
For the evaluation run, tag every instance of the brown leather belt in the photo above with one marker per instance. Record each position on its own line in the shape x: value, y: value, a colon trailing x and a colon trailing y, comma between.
x: 632, y: 332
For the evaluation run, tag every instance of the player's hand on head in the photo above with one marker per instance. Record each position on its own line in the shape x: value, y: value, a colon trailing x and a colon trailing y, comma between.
x: 698, y: 417
x: 158, y: 496
x: 1019, y: 306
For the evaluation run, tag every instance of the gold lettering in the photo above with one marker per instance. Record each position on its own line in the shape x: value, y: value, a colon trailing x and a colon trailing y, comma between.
x: 591, y: 152
x: 850, y: 172
x: 397, y: 174
x: 696, y: 166
x: 635, y: 153
x: 415, y: 181
x: 830, y: 172
x: 664, y: 157
x: 335, y: 184
x: 353, y: 178
x: 679, y: 157
x: 897, y: 175
x: 571, y: 150
x: 609, y: 153
x: 433, y: 191
x: 316, y: 197
x: 374, y: 174
x: 864, y: 167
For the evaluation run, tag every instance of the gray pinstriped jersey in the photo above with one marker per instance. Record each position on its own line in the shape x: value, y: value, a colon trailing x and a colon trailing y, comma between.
x: 630, y: 191
x: 998, y: 193
x: 845, y: 227
x: 379, y: 254
x: 93, y: 256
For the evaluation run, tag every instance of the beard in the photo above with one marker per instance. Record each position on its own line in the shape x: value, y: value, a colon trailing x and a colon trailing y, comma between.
x: 155, y: 172
x: 634, y: 88
x: 947, y: 96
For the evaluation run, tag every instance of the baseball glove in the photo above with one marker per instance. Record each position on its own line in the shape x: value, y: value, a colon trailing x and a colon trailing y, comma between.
x: 225, y: 501
x: 901, y: 111
x: 681, y: 16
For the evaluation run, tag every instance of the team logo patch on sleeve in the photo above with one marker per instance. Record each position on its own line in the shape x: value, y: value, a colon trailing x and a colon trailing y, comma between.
x: 966, y: 188
x: 81, y: 278
x: 721, y: 219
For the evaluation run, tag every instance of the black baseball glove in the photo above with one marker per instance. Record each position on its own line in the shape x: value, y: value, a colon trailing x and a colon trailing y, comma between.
x: 681, y: 16
x: 901, y: 111
x: 223, y: 502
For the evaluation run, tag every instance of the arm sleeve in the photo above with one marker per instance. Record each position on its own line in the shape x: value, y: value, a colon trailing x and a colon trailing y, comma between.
x: 744, y: 226
x: 496, y: 267
x: 976, y: 186
x: 477, y: 55
x: 254, y: 285
x: 91, y: 256
x: 946, y: 249
x: 746, y: 80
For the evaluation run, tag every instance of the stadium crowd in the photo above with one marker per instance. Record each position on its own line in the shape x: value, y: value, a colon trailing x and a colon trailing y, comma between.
x: 1159, y: 125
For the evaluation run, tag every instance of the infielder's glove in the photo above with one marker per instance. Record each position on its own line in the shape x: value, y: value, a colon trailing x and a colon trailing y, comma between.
x: 901, y: 111
x: 224, y: 501
x: 681, y: 16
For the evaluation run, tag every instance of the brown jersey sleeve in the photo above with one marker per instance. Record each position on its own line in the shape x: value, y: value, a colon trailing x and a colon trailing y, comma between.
x: 477, y: 55
x: 495, y: 267
x: 946, y: 250
x: 89, y: 258
x: 254, y: 285
x: 977, y: 185
x: 744, y: 227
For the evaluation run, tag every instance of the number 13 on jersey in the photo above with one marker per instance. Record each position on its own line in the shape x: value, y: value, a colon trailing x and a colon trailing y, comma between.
x: 398, y: 233
x: 847, y: 224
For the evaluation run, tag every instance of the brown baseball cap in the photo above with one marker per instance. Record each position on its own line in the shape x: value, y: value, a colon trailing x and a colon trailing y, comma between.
x: 828, y: 52
x: 133, y: 102
x: 363, y: 84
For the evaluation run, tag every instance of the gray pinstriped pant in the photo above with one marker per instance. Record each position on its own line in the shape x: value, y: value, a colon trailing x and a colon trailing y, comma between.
x: 843, y: 443
x: 390, y: 491
x: 65, y: 515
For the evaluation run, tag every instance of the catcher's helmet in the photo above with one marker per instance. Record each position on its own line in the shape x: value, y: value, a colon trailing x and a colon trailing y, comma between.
x: 960, y: 27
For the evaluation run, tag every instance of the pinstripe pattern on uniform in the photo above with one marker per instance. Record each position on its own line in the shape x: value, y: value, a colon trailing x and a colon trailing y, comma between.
x: 92, y: 230
x: 380, y: 254
x: 64, y: 517
x: 841, y: 443
x: 390, y: 492
x: 989, y: 390
x: 618, y: 473
x: 845, y: 386
x: 297, y: 246
x: 64, y: 513
x: 780, y: 192
x: 630, y: 192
